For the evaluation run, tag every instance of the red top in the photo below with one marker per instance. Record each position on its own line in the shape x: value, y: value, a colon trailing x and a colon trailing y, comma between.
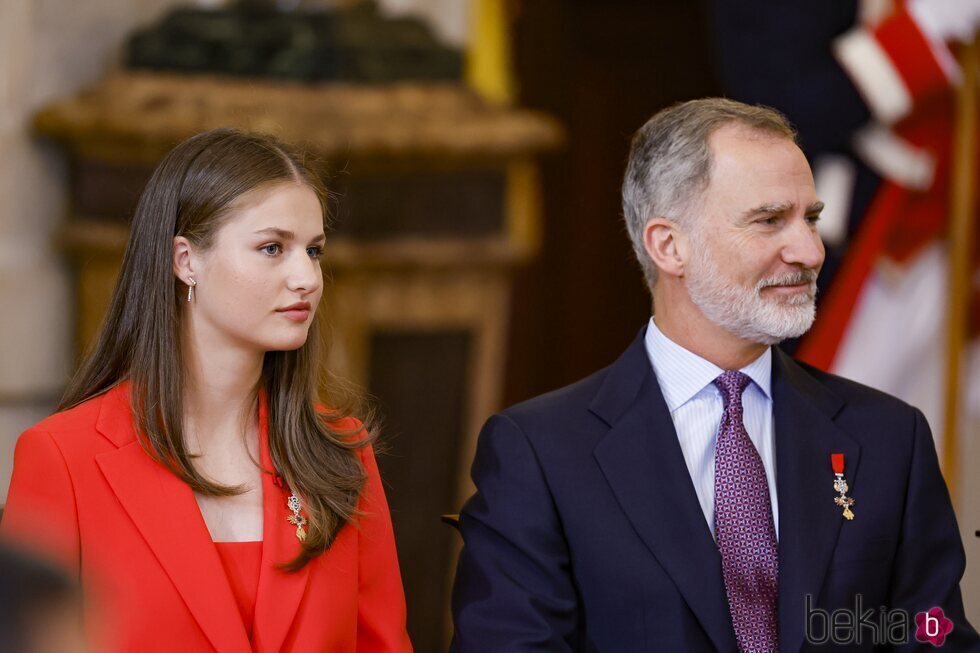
x: 242, y: 561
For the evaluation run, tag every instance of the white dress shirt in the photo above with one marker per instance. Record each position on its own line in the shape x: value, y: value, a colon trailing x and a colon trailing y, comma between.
x: 696, y: 407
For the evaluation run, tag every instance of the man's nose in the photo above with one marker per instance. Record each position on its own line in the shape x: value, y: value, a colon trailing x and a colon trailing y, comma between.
x: 804, y: 247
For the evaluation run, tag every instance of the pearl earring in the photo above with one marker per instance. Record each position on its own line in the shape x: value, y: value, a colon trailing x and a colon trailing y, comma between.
x: 190, y: 288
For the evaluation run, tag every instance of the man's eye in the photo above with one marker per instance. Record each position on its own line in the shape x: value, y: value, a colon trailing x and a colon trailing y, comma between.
x: 813, y: 219
x: 770, y: 221
x: 271, y: 249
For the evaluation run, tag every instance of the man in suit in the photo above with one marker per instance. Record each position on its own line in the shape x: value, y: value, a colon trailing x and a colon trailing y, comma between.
x: 705, y: 492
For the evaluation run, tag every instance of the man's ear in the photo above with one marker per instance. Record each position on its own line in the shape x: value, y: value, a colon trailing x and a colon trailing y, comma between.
x: 183, y: 259
x: 665, y: 245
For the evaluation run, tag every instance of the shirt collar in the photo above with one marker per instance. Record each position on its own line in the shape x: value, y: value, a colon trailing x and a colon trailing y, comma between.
x: 683, y: 374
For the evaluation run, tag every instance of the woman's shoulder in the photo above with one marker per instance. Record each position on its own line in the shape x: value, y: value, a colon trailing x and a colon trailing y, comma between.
x: 78, y: 416
x: 82, y: 421
x: 352, y: 430
x: 340, y: 423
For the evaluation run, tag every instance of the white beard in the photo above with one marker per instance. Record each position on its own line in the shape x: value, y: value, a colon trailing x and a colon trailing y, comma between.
x: 744, y: 312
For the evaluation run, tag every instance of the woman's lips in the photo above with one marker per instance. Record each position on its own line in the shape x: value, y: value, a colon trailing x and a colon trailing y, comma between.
x: 296, y: 315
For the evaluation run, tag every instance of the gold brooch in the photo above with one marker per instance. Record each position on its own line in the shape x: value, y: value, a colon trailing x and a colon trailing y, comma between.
x: 297, y: 519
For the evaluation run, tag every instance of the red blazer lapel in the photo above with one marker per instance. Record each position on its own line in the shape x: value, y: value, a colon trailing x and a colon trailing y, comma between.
x: 166, y: 514
x: 280, y: 592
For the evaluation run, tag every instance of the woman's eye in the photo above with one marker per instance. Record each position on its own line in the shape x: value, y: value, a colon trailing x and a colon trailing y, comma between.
x: 271, y: 249
x: 314, y: 251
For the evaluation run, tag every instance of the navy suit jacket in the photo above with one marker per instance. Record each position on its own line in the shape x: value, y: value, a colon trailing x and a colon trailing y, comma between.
x: 585, y: 533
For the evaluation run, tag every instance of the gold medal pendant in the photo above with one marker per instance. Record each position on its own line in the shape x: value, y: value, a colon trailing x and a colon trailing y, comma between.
x: 840, y: 486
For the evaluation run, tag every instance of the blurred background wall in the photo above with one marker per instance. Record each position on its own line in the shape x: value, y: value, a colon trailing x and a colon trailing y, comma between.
x: 48, y: 49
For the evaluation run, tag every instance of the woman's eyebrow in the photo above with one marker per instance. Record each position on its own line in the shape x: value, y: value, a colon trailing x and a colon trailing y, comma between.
x: 285, y: 234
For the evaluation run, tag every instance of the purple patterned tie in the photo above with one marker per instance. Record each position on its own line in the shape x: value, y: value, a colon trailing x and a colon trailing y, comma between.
x: 744, y: 526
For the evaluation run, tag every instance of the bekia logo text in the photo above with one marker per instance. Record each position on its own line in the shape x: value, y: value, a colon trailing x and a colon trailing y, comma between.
x: 880, y: 627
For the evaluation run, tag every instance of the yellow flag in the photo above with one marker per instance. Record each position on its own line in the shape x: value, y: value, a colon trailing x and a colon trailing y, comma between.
x: 488, y: 59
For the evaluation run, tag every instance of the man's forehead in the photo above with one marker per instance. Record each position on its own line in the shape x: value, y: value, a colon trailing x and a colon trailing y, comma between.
x: 746, y: 153
x: 756, y: 173
x: 737, y: 136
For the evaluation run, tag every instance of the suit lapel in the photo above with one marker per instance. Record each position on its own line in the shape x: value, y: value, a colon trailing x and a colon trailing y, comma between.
x: 642, y: 461
x: 809, y: 522
x: 166, y: 514
x: 279, y: 592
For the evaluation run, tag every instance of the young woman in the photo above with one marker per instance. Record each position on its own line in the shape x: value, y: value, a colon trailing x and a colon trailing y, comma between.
x: 191, y: 479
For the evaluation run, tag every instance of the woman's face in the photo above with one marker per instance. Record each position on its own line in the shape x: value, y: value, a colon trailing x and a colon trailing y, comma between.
x: 260, y: 283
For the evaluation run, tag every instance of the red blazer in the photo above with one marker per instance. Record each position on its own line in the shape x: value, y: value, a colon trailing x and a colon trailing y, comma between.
x: 84, y: 491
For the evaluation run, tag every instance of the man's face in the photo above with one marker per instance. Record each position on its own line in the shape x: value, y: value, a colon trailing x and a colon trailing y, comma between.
x: 755, y: 251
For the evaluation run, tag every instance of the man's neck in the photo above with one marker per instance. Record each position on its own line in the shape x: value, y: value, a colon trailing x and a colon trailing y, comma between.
x: 681, y: 321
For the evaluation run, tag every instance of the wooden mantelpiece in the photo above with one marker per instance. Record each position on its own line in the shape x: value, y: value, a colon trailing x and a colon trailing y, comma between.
x: 140, y: 116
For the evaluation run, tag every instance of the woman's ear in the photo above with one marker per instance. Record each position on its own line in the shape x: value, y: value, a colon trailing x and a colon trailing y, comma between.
x: 182, y: 260
x: 665, y: 245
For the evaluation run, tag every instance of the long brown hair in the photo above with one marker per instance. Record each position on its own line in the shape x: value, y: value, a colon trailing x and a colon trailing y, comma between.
x: 189, y: 195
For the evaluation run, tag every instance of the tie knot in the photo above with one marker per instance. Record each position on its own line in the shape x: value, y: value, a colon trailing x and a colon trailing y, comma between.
x: 732, y: 384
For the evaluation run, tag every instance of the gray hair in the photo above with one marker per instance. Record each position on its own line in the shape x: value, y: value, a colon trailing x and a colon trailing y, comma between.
x: 670, y: 162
